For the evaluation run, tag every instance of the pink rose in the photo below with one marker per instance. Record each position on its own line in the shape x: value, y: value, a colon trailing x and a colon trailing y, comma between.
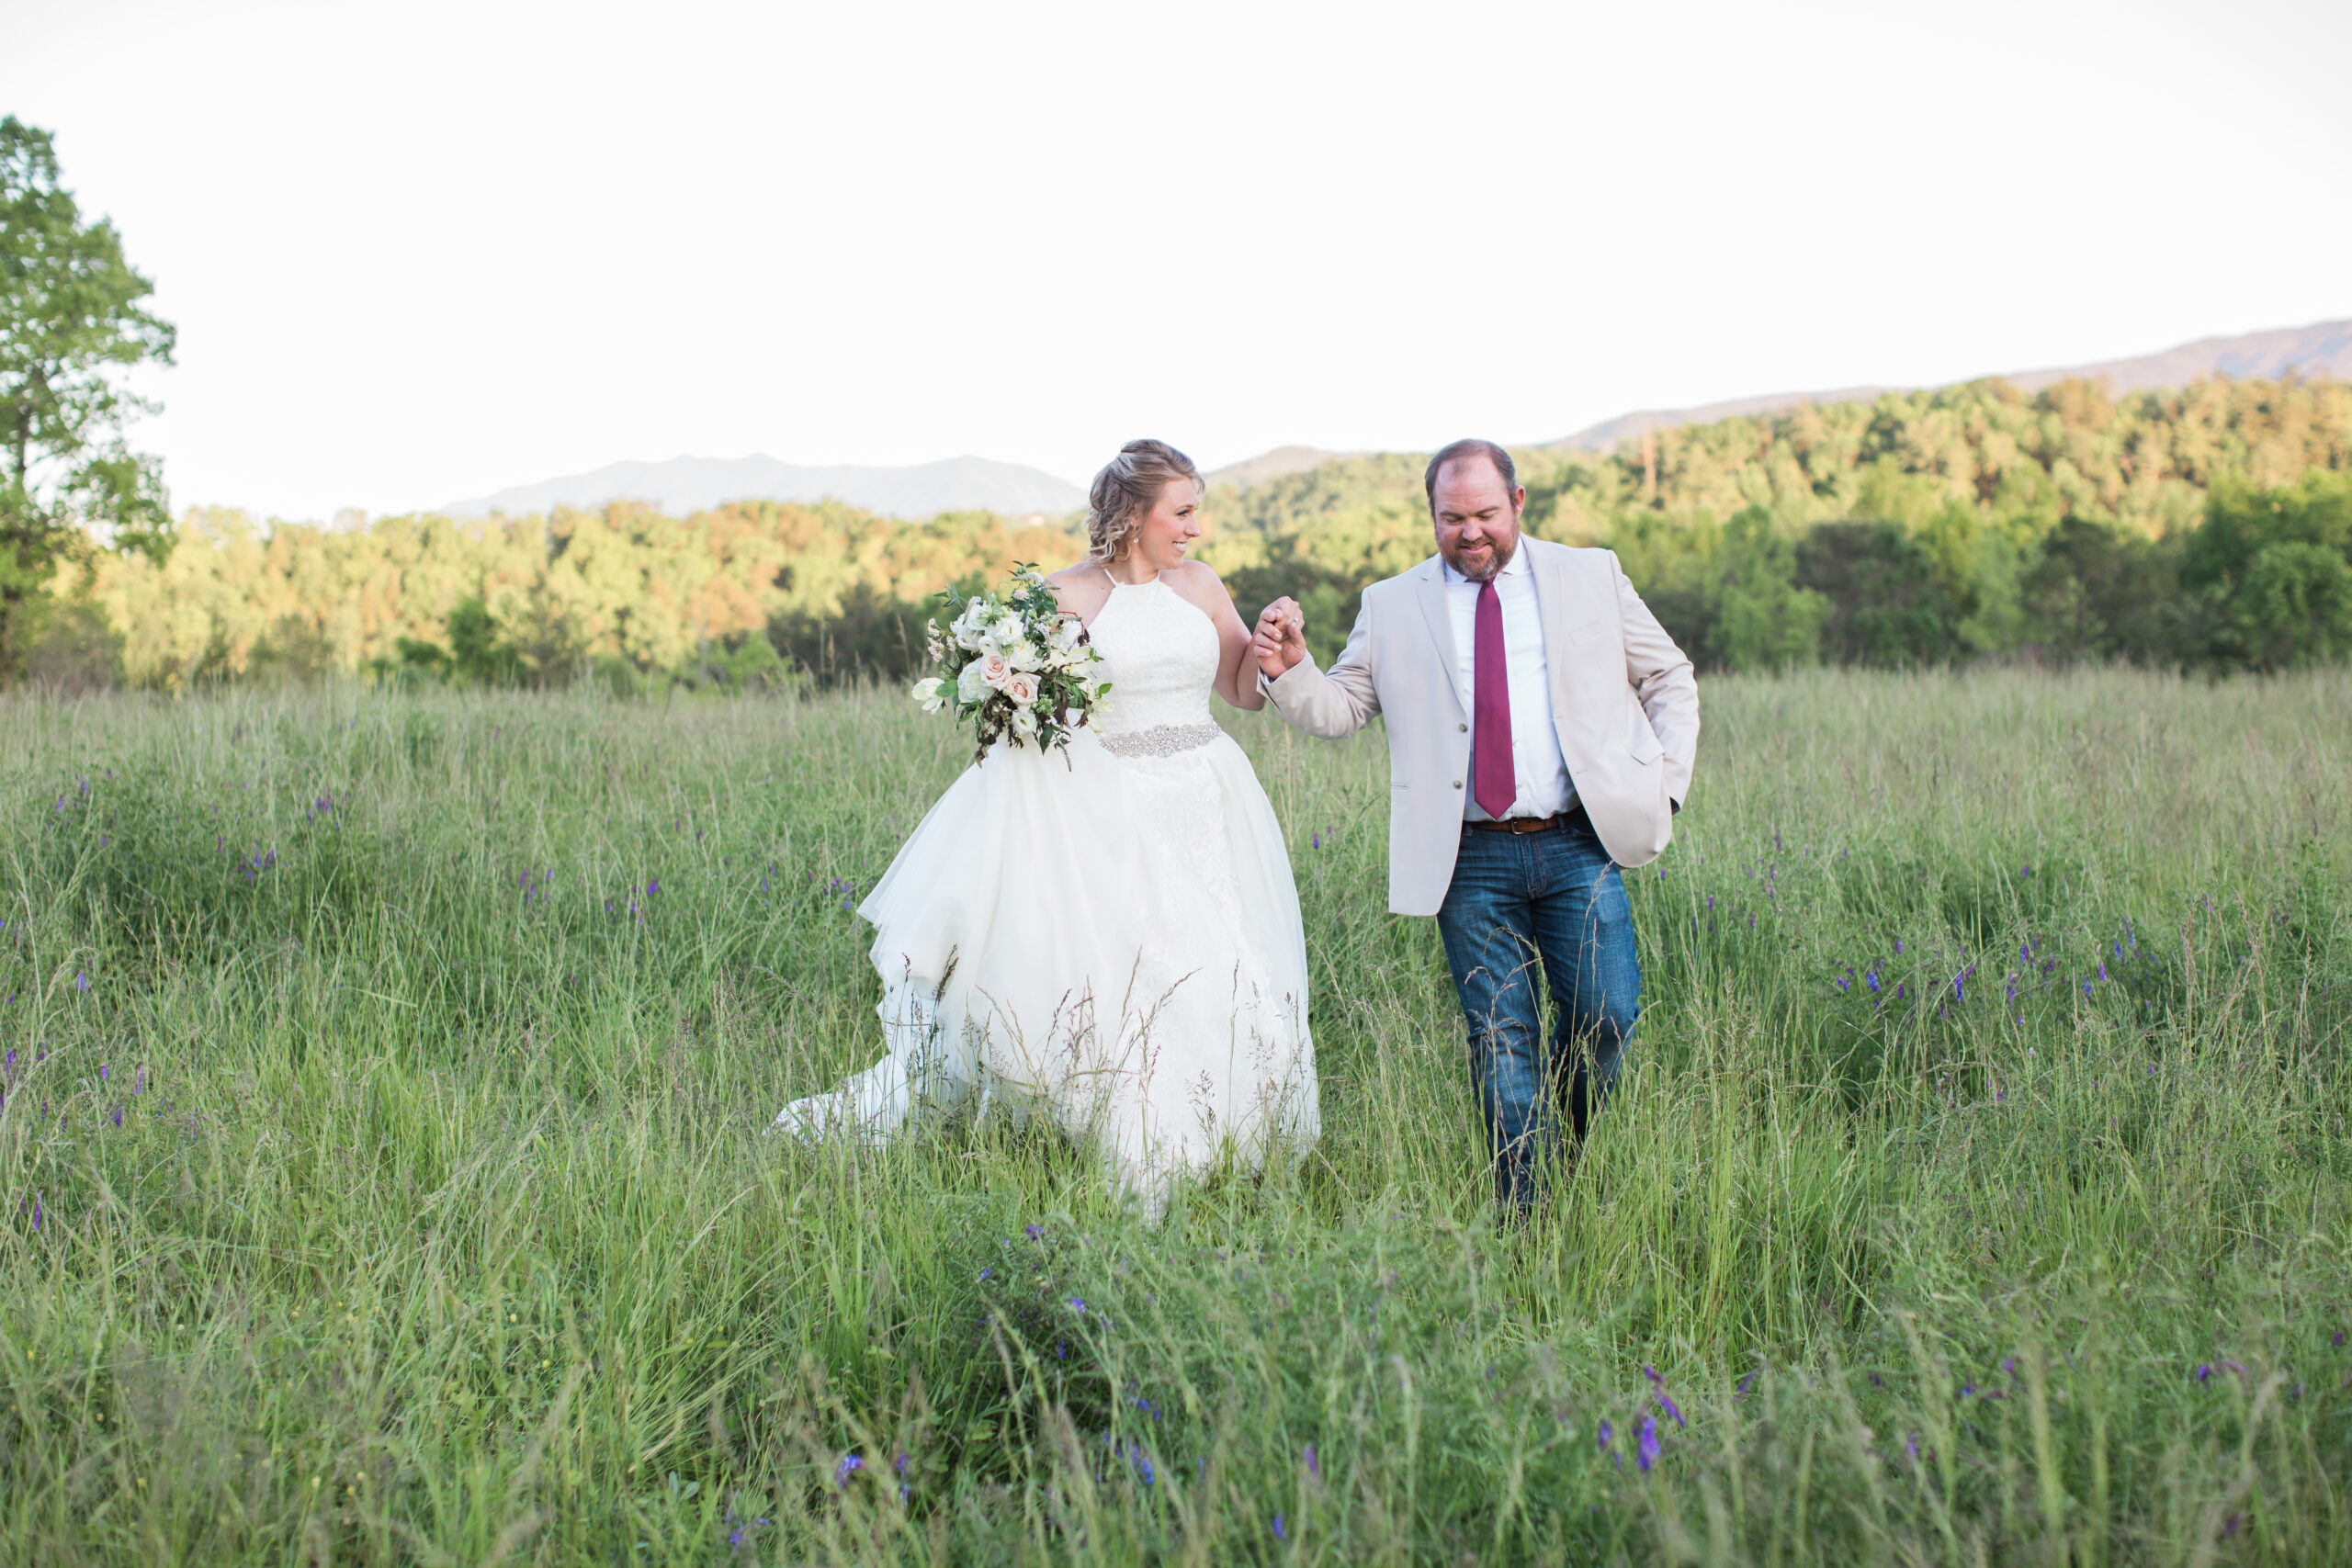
x: 994, y: 671
x: 1021, y: 688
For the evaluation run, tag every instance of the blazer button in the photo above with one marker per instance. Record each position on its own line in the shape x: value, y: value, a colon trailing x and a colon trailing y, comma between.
x: 1463, y: 727
x: 1457, y: 784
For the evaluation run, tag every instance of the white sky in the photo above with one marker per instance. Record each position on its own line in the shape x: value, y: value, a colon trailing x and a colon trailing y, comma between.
x: 416, y: 254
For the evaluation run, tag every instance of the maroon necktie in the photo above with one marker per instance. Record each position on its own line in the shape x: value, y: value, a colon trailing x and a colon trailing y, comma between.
x: 1494, y: 781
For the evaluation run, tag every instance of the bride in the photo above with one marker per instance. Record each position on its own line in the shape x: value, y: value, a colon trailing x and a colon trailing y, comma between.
x: 1107, y: 936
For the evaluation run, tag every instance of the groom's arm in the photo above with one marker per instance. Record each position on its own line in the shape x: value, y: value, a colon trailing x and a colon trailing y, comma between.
x: 1661, y: 677
x: 1331, y: 703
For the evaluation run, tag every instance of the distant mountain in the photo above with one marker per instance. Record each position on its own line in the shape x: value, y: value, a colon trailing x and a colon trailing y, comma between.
x: 1273, y: 464
x: 2324, y: 348
x: 692, y: 484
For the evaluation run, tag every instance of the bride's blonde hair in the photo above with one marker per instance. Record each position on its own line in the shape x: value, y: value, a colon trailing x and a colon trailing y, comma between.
x: 1124, y: 492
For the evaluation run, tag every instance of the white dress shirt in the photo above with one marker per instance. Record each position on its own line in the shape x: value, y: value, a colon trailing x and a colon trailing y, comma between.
x: 1544, y: 789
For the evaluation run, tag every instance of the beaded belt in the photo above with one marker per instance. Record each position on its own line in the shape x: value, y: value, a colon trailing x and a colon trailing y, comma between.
x: 1160, y: 739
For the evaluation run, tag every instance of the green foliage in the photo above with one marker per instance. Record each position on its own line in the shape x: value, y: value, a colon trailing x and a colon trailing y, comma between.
x: 1889, y: 608
x: 1729, y: 596
x: 391, y: 1069
x: 71, y: 324
x: 2272, y: 572
x: 1969, y: 523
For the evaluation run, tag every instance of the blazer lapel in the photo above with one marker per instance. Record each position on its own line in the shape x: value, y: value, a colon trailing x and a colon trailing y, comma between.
x: 1552, y: 604
x: 1431, y: 591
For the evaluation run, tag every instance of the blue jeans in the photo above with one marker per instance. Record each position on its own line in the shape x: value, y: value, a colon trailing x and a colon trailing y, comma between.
x: 1518, y: 901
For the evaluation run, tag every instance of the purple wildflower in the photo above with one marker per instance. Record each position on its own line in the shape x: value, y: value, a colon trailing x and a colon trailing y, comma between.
x: 1279, y: 1533
x: 2204, y: 1373
x: 1648, y: 1455
x: 902, y: 1462
x: 81, y: 980
x: 1035, y: 1232
x: 1316, y: 1470
x: 1078, y: 1304
x: 1657, y: 1386
x: 1605, y: 1434
x: 102, y: 1072
x: 849, y: 1465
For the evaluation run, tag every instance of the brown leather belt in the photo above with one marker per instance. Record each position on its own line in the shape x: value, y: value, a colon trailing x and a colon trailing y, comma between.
x: 1529, y: 824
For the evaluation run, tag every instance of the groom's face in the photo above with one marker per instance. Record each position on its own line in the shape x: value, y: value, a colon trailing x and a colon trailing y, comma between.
x: 1477, y: 517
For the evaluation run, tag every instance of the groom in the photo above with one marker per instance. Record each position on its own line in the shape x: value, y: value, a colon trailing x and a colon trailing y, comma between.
x: 1540, y: 731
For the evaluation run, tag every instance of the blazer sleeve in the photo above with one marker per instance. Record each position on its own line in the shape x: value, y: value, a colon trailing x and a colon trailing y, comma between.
x: 1334, y: 702
x: 1661, y: 677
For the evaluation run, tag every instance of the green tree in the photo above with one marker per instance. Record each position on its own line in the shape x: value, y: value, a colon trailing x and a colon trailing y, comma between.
x: 2096, y: 591
x: 1888, y: 605
x: 2271, y: 573
x: 71, y: 323
x: 1762, y: 619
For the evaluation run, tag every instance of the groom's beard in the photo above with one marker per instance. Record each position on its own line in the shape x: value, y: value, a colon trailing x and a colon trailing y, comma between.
x: 1479, y: 571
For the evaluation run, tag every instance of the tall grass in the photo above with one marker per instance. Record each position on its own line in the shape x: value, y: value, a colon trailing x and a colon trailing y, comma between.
x: 382, y: 1162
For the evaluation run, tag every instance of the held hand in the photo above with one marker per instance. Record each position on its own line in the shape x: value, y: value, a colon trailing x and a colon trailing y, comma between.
x: 1280, y: 641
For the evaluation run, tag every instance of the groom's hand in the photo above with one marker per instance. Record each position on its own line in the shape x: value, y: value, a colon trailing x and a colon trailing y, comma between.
x: 1281, y: 638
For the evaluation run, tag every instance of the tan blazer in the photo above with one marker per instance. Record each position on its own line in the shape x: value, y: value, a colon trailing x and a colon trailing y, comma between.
x: 1624, y: 699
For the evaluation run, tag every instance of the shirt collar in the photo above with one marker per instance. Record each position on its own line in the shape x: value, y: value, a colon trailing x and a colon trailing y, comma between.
x: 1514, y: 566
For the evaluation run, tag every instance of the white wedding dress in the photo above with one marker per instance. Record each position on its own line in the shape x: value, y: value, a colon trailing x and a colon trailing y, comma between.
x: 1108, y: 936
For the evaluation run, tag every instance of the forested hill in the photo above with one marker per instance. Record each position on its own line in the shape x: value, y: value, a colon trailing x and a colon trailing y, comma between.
x: 1993, y: 521
x: 2210, y: 527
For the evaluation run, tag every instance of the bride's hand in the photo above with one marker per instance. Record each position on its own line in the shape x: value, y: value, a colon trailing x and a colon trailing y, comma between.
x: 1280, y: 641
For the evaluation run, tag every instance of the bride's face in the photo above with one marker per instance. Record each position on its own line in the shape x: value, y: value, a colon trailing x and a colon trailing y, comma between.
x: 1169, y: 527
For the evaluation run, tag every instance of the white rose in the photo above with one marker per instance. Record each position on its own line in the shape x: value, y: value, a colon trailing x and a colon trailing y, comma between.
x: 1022, y: 687
x: 926, y: 692
x: 994, y: 670
x: 1023, y: 655
x: 970, y: 688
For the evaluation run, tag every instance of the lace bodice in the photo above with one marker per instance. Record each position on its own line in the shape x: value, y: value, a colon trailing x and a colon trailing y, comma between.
x: 1160, y: 655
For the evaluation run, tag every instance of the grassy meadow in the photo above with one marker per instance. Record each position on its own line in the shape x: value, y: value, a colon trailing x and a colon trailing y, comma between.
x: 384, y: 1175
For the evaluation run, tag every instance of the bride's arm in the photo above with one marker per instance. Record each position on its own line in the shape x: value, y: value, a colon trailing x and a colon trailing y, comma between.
x: 1237, y: 666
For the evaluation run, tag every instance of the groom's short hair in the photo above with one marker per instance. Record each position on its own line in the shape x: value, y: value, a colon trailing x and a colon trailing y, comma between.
x: 1469, y: 447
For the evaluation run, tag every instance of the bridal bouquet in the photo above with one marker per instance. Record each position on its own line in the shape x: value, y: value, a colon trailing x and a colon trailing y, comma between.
x: 1016, y: 666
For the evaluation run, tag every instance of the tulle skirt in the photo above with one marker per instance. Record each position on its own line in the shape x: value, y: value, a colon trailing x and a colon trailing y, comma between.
x: 1112, y: 941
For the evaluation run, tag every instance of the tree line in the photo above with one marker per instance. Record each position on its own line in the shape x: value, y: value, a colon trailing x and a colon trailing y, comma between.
x: 2207, y: 529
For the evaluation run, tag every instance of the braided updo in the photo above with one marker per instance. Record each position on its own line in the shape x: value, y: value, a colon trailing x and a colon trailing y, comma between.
x: 1124, y: 492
